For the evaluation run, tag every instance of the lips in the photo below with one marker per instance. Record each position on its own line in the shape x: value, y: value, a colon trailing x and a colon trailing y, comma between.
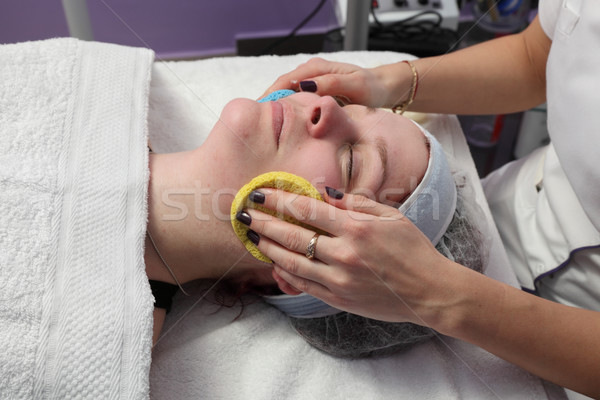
x: 277, y: 116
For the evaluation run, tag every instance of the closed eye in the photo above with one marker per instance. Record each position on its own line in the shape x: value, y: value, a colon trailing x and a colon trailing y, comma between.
x: 350, y: 162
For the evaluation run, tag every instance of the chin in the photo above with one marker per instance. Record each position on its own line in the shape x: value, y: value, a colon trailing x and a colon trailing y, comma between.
x: 240, y: 117
x: 241, y: 130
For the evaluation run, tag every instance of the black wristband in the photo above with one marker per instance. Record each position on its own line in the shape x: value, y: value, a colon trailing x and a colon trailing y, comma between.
x: 163, y: 293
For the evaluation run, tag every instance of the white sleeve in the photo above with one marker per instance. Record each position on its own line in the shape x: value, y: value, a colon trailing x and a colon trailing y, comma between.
x: 548, y: 11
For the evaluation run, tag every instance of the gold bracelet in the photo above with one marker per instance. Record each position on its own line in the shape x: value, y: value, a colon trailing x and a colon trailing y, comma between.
x: 401, y: 108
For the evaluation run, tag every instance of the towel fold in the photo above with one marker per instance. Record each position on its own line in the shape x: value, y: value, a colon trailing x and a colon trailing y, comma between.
x: 75, y: 306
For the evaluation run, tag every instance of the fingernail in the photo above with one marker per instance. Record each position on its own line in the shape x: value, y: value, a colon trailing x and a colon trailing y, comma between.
x: 257, y: 197
x: 243, y: 217
x: 253, y: 236
x: 308, y: 86
x: 336, y: 194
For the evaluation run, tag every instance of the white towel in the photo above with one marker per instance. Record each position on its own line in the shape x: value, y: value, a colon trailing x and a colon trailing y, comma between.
x: 75, y: 306
x: 208, y: 354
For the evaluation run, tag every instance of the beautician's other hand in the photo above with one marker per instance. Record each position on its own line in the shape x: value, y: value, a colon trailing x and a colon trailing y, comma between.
x: 351, y: 83
x: 375, y: 262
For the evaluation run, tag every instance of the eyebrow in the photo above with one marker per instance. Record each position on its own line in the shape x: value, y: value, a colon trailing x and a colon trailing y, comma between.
x: 383, y: 154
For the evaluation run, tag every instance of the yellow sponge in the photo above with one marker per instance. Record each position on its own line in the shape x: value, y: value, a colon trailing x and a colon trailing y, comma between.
x: 277, y: 180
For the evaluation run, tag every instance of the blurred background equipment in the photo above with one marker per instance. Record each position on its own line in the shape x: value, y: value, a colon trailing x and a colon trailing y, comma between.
x: 194, y: 29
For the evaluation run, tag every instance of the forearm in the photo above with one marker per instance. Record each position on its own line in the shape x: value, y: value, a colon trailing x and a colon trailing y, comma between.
x: 499, y: 76
x: 556, y: 342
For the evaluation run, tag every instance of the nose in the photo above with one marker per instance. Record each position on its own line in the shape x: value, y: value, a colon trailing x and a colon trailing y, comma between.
x: 325, y: 118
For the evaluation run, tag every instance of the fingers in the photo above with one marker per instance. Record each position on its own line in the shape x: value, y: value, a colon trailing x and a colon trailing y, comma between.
x: 289, y: 236
x: 335, y: 218
x: 348, y: 86
x: 308, y: 210
x: 302, y: 274
x: 306, y: 285
x: 284, y: 286
x: 286, y: 245
x: 329, y: 77
x: 359, y: 204
x: 283, y: 82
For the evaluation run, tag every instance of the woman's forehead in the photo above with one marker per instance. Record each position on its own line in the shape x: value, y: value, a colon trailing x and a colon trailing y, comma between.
x: 380, y: 122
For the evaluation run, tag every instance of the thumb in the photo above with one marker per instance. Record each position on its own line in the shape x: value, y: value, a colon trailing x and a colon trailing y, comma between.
x: 359, y: 203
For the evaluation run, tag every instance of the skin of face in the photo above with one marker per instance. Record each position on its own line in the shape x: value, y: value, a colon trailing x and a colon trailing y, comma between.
x: 353, y: 148
x: 303, y: 134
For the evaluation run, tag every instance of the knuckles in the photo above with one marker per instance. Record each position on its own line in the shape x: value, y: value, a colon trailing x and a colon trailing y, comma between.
x: 348, y: 256
x: 362, y: 202
x: 290, y: 264
x: 303, y: 208
x: 315, y: 62
x: 357, y: 230
x: 342, y: 282
x: 292, y: 239
x: 282, y: 80
x: 302, y: 285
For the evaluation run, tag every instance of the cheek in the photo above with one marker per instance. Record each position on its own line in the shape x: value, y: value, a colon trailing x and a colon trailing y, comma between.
x: 319, y: 170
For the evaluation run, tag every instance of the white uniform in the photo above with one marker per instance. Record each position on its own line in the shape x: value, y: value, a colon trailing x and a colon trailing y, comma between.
x: 547, y: 206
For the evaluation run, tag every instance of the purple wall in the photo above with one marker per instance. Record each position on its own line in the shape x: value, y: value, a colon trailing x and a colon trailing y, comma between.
x: 172, y: 28
x: 31, y: 20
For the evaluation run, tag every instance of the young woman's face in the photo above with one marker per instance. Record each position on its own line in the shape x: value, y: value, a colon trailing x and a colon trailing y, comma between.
x: 352, y: 148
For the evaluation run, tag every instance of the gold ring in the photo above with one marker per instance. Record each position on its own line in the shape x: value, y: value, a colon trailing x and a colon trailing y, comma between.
x: 312, y: 247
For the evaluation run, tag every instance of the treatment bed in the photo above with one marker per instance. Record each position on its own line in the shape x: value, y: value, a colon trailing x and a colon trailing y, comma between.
x: 75, y: 305
x: 206, y: 352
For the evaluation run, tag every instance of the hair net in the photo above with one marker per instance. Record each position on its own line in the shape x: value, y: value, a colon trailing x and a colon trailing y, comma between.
x: 352, y: 336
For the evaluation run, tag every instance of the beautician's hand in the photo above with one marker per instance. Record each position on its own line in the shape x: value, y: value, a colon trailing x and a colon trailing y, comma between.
x: 375, y: 262
x: 367, y: 86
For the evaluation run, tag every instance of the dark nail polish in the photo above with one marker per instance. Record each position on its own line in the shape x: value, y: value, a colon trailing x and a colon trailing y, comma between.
x: 253, y: 236
x: 308, y: 86
x: 244, y: 217
x: 257, y: 197
x: 336, y: 194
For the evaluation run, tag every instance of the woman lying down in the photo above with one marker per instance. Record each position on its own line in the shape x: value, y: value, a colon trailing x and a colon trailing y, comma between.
x: 353, y: 149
